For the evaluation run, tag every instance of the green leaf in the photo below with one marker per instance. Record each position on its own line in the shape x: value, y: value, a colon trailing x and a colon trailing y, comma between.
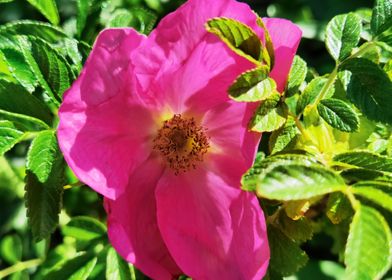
x: 388, y: 68
x: 270, y: 115
x: 283, y: 137
x: 295, y: 181
x: 116, y: 267
x: 358, y: 174
x: 44, y: 184
x: 39, y: 29
x: 84, y: 228
x: 299, y: 230
x: 238, y: 36
x: 368, y: 251
x: 6, y: 1
x: 11, y: 248
x: 375, y: 195
x: 42, y: 155
x: 263, y: 165
x: 78, y: 268
x: 253, y: 85
x: 9, y: 136
x: 338, y: 208
x: 83, y: 10
x: 338, y: 114
x: 370, y: 89
x: 53, y: 72
x: 143, y: 20
x: 297, y: 75
x: 311, y: 92
x: 268, y: 51
x: 19, y: 69
x: 342, y: 35
x: 48, y: 8
x: 286, y: 255
x: 15, y: 99
x: 381, y: 17
x: 121, y: 18
x: 366, y: 160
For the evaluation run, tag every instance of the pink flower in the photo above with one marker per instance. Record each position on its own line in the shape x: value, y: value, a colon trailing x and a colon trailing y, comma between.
x: 149, y: 125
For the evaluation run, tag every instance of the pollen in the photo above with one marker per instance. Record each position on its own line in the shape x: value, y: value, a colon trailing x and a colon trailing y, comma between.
x: 182, y: 143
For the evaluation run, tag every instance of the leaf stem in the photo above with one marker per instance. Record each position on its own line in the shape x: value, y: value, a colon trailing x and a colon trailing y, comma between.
x: 362, y: 50
x: 76, y: 184
x: 324, y: 90
x: 20, y: 266
x: 354, y: 202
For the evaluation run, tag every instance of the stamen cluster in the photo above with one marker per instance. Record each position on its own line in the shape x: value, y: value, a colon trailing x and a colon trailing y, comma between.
x: 182, y: 143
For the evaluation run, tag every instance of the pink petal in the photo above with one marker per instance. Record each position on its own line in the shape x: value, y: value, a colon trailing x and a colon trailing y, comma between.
x: 132, y: 224
x: 180, y: 59
x: 104, y: 123
x: 285, y: 38
x: 233, y: 146
x: 212, y: 230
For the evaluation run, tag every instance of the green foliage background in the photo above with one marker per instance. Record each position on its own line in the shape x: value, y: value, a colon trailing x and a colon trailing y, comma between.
x: 308, y: 229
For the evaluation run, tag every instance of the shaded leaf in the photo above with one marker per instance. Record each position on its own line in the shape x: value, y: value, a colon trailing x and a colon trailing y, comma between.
x: 11, y: 248
x: 297, y: 75
x: 286, y: 255
x: 370, y: 89
x: 15, y: 99
x: 311, y: 92
x: 297, y: 230
x: 338, y: 208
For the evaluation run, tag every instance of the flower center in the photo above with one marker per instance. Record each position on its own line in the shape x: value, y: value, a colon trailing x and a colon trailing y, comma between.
x: 182, y: 143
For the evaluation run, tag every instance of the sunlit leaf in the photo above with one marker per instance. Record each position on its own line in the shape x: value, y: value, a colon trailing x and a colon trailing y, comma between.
x: 342, y: 35
x: 381, y: 17
x: 295, y: 181
x: 48, y: 8
x: 271, y: 115
x: 44, y: 184
x: 253, y: 85
x: 116, y: 267
x: 366, y: 160
x: 368, y: 251
x: 84, y: 228
x: 9, y: 136
x: 238, y: 36
x: 338, y: 114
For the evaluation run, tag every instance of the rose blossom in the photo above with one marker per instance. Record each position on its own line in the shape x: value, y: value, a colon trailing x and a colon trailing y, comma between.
x: 150, y: 126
